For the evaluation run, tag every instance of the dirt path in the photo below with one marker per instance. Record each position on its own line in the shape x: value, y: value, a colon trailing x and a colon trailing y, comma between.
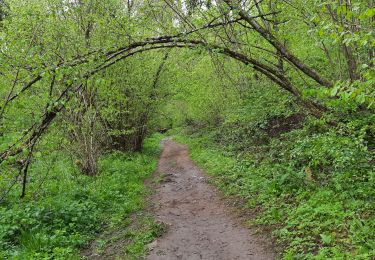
x: 201, y: 225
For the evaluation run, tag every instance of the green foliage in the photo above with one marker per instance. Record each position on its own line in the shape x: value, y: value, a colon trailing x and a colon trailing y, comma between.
x: 75, y: 208
x: 326, y: 214
x: 81, y: 82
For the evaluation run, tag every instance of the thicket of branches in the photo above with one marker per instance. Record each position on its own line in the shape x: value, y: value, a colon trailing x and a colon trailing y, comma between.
x: 93, y: 67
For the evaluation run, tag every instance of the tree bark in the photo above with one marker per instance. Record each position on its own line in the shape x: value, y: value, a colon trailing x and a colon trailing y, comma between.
x: 279, y: 46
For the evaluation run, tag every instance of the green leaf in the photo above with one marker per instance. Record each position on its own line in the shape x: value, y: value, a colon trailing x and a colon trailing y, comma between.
x: 326, y: 239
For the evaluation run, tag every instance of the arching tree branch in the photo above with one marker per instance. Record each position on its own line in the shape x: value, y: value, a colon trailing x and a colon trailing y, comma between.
x: 267, y: 35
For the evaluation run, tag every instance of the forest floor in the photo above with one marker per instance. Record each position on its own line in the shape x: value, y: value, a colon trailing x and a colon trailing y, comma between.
x: 200, y: 223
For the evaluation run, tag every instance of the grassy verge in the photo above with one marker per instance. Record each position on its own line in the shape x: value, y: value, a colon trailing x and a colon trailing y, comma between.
x: 311, y: 219
x: 69, y: 209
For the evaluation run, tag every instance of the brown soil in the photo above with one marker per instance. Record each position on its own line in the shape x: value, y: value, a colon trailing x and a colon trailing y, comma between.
x: 200, y: 224
x: 279, y: 125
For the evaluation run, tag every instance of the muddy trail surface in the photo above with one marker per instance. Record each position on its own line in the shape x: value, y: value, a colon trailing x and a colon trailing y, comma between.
x: 200, y: 224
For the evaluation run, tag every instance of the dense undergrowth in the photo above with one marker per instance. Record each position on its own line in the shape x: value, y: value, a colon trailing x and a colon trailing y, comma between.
x: 81, y: 79
x: 315, y: 189
x: 61, y: 216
